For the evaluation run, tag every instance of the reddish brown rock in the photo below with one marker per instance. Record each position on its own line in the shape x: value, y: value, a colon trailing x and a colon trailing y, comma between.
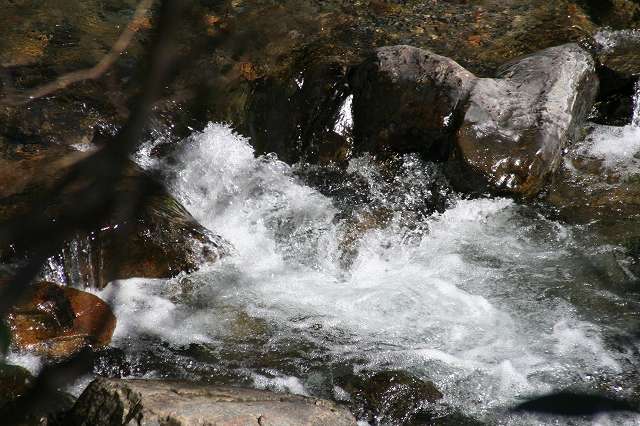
x: 59, y: 321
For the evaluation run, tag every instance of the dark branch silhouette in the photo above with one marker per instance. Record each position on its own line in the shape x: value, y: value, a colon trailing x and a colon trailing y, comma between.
x: 37, y: 237
x: 86, y: 74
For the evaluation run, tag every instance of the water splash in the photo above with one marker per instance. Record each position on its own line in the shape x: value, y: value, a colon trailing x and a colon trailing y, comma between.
x: 635, y: 118
x: 462, y: 296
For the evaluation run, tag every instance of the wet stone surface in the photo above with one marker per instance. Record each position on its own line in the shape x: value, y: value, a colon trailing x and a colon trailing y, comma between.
x: 60, y: 321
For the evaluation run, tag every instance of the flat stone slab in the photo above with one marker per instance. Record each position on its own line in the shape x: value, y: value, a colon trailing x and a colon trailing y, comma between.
x: 150, y: 402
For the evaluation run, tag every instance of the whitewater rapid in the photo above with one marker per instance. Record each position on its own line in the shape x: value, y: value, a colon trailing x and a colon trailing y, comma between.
x: 471, y: 297
x: 489, y: 299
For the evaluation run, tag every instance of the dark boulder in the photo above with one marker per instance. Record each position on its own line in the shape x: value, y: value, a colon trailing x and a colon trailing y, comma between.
x: 119, y: 402
x: 158, y: 240
x: 407, y: 100
x: 298, y: 114
x: 59, y: 321
x: 516, y: 126
x: 619, y: 51
x: 391, y: 398
x: 14, y: 381
x: 603, y: 193
x: 161, y: 241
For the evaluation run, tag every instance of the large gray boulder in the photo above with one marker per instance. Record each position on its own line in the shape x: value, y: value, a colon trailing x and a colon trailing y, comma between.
x: 406, y: 99
x: 148, y: 402
x: 516, y: 126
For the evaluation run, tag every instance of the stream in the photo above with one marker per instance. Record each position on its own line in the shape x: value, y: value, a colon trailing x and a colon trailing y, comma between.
x: 377, y: 266
x: 487, y: 298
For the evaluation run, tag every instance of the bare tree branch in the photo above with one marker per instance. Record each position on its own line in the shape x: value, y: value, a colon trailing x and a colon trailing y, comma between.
x: 90, y: 73
x: 98, y: 198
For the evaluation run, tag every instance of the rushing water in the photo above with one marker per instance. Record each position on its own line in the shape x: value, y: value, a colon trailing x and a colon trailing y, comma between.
x: 487, y: 298
x: 377, y: 270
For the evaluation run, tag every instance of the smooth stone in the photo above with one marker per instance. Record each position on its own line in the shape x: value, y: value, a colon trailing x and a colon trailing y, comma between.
x: 59, y: 321
x: 516, y: 126
x: 407, y: 99
x: 150, y: 402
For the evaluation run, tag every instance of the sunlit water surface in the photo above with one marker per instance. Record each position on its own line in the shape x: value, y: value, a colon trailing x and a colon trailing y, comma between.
x: 488, y: 299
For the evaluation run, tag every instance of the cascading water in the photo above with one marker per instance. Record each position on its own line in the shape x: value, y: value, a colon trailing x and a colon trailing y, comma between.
x: 635, y: 118
x: 488, y: 299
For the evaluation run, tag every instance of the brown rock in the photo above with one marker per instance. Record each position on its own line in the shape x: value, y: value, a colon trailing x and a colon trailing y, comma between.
x: 161, y: 240
x: 59, y: 321
x: 146, y: 402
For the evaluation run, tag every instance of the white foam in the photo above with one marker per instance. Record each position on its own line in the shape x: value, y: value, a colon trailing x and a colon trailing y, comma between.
x: 344, y: 123
x: 279, y: 383
x: 463, y: 301
x: 608, y: 39
x: 618, y: 147
x: 27, y: 360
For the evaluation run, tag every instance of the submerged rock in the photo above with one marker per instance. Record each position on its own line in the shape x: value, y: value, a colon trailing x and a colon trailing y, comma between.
x: 598, y: 184
x: 392, y: 398
x: 14, y: 381
x: 406, y: 100
x: 516, y: 126
x: 118, y: 402
x: 59, y: 321
x: 158, y: 240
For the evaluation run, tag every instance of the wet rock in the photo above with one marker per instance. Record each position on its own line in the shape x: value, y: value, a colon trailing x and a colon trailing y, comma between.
x: 118, y: 402
x: 14, y: 381
x: 615, y: 102
x: 59, y: 321
x: 516, y: 126
x: 391, y: 398
x: 298, y: 115
x: 406, y: 100
x: 65, y: 121
x: 589, y: 189
x: 161, y: 239
x: 160, y: 242
x: 613, y: 13
x: 619, y: 52
x: 618, y: 59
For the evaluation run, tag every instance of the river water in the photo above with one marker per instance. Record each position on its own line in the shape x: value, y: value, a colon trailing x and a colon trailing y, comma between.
x: 370, y: 269
x: 487, y: 298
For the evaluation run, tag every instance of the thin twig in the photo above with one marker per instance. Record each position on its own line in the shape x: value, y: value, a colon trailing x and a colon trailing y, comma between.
x: 40, y: 237
x: 90, y: 73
